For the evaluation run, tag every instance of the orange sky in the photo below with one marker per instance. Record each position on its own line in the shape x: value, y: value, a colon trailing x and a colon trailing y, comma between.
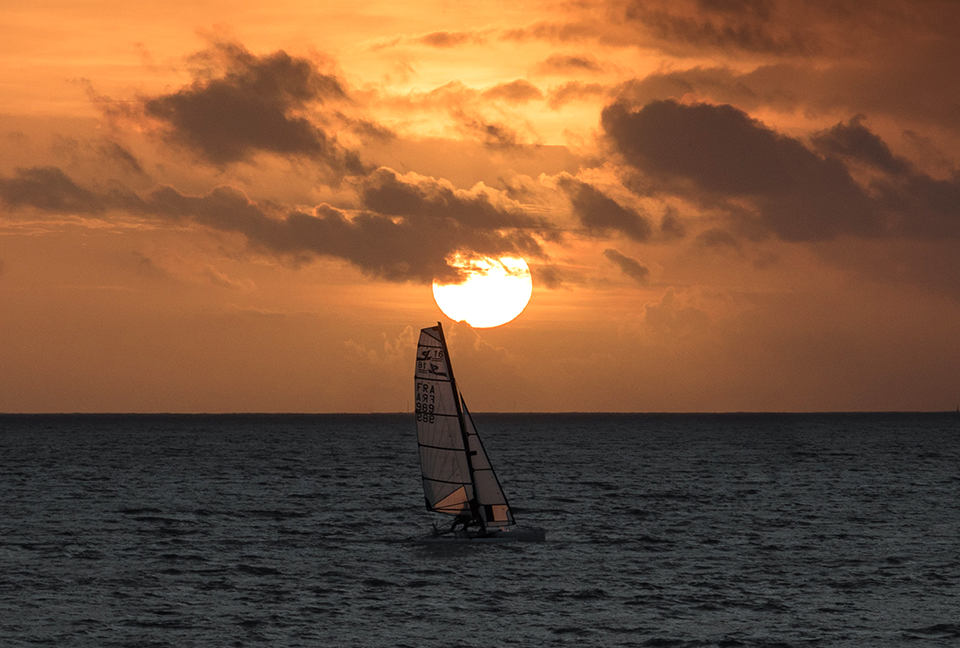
x: 726, y: 205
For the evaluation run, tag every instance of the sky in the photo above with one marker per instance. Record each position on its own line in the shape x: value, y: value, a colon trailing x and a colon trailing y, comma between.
x: 726, y: 205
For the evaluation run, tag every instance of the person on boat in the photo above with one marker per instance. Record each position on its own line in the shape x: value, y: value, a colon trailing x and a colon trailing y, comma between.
x: 463, y: 519
x: 467, y: 520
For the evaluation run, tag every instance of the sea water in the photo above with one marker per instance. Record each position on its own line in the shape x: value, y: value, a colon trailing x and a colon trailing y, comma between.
x: 662, y: 530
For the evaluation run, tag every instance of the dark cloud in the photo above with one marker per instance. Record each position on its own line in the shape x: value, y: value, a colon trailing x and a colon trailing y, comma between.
x: 519, y: 91
x: 118, y: 154
x: 241, y: 104
x: 600, y: 214
x: 629, y: 266
x: 719, y: 152
x: 926, y: 90
x: 923, y: 206
x: 722, y: 85
x: 752, y: 26
x: 367, y: 130
x: 679, y: 26
x: 49, y: 189
x: 493, y: 135
x: 445, y: 39
x: 548, y: 275
x: 420, y: 225
x: 565, y: 63
x: 386, y: 192
x: 719, y: 156
x: 854, y: 141
x: 412, y: 226
x: 894, y: 56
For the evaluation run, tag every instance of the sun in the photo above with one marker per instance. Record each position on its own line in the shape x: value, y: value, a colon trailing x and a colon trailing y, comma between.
x: 495, y: 291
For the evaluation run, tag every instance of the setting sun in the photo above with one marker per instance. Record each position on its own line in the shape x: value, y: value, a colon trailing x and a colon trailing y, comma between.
x: 495, y: 291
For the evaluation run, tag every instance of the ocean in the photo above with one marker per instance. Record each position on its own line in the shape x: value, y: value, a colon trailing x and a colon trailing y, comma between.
x: 662, y: 530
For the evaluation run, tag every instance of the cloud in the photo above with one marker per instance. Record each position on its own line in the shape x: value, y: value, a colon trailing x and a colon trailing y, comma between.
x: 494, y: 135
x: 575, y: 90
x: 718, y: 156
x: 566, y: 63
x: 630, y: 267
x: 519, y: 91
x: 397, y: 353
x: 600, y: 213
x: 240, y: 104
x: 497, y: 126
x: 113, y: 152
x: 548, y: 275
x: 682, y: 26
x: 854, y: 141
x: 558, y: 31
x: 669, y: 320
x: 720, y: 84
x: 446, y: 39
x: 415, y: 222
x: 922, y: 206
x: 48, y: 189
x: 387, y: 192
x: 760, y: 26
x: 720, y: 153
x: 406, y: 249
x: 913, y: 203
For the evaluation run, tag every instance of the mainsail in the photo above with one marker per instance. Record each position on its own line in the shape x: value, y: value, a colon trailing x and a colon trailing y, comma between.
x: 457, y: 476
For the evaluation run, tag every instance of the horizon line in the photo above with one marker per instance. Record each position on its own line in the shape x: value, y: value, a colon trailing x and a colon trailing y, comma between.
x: 529, y: 412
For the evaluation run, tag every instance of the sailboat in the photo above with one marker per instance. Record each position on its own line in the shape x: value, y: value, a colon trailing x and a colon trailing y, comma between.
x: 458, y: 479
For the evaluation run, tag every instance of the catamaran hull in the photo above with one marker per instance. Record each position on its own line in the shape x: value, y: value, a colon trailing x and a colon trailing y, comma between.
x: 497, y: 537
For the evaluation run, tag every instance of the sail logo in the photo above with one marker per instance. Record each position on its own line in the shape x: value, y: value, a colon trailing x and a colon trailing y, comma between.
x: 430, y: 361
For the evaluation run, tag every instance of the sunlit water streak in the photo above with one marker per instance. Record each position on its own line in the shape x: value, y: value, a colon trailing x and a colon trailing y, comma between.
x: 663, y: 530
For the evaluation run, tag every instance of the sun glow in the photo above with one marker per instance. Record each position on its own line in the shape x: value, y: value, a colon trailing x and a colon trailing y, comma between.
x: 495, y: 291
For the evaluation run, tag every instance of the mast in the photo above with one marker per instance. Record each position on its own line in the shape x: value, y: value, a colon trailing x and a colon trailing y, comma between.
x: 457, y: 397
